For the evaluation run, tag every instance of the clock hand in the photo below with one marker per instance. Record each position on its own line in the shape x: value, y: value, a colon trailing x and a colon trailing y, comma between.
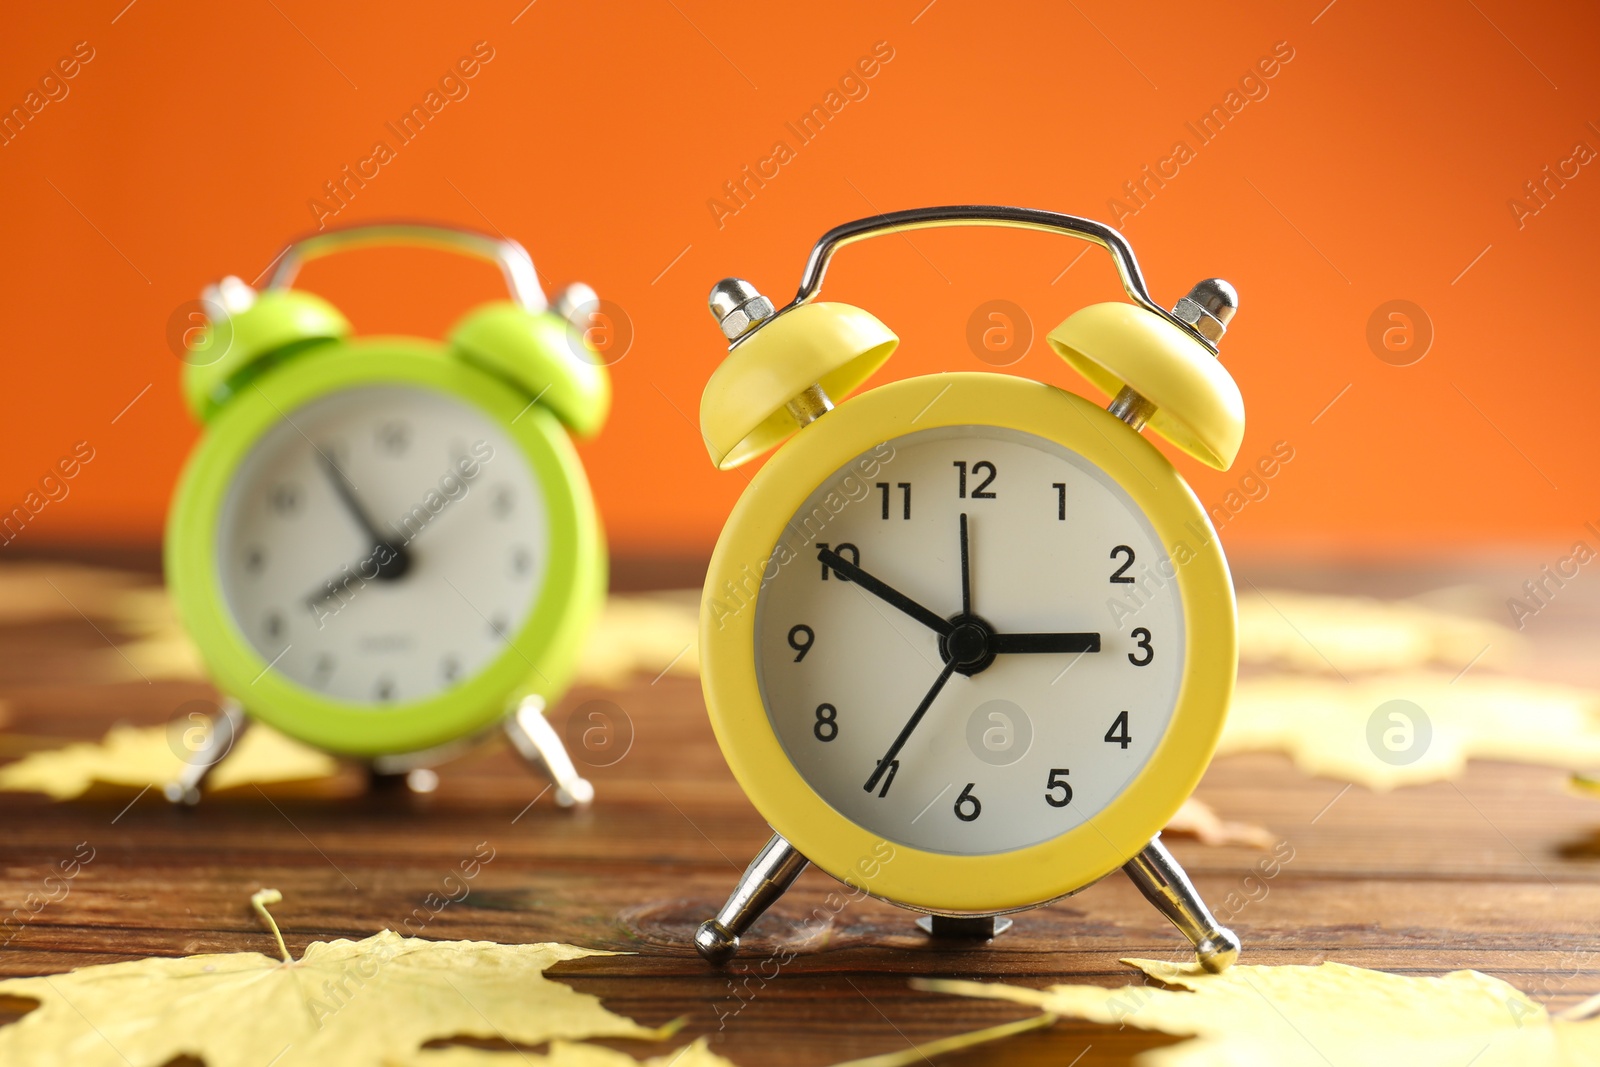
x: 966, y: 570
x: 332, y: 587
x: 1072, y: 642
x: 846, y: 569
x: 911, y: 724
x: 909, y: 727
x: 1003, y: 643
x: 391, y: 559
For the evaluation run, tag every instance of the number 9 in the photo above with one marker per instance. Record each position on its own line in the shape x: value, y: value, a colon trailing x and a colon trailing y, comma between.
x: 801, y: 647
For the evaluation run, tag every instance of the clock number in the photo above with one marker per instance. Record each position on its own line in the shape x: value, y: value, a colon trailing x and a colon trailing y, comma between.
x: 968, y: 806
x: 843, y: 548
x: 384, y: 690
x: 888, y: 777
x: 981, y: 491
x: 449, y: 668
x: 1061, y: 499
x: 1057, y: 780
x: 1143, y: 637
x: 1119, y: 576
x: 1118, y: 734
x: 801, y: 647
x: 502, y: 501
x: 394, y: 437
x: 905, y: 498
x: 826, y: 727
x: 286, y: 498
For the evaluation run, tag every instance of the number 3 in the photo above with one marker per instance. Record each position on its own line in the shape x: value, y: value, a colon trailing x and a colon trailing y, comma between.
x: 1142, y: 636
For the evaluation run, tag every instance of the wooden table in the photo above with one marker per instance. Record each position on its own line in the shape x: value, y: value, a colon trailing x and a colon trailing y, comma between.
x: 1496, y: 872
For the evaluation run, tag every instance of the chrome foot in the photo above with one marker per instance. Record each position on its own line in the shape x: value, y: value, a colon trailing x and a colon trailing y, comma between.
x: 221, y: 734
x: 1164, y: 884
x: 767, y: 878
x: 537, y: 742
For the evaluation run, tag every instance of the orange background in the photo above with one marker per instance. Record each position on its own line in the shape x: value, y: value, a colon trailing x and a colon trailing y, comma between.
x: 1378, y: 167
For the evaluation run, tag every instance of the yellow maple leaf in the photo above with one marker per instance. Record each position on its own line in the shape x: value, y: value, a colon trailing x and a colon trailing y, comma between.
x: 563, y: 1054
x: 37, y: 592
x: 699, y: 1053
x: 1200, y: 820
x: 342, y: 1004
x: 1329, y: 1014
x: 1327, y: 634
x: 1344, y: 729
x: 139, y: 756
x: 649, y: 634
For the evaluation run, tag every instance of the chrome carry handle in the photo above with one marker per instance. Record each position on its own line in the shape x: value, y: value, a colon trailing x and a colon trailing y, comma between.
x: 1019, y: 218
x: 513, y: 260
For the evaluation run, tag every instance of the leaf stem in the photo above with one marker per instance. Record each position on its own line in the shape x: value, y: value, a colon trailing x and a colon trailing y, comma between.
x: 259, y: 901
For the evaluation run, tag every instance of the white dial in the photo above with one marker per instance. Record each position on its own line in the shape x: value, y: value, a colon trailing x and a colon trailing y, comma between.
x: 382, y: 544
x: 1041, y: 696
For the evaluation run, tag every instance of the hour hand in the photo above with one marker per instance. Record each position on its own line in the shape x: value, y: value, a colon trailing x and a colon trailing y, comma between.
x: 845, y: 569
x: 395, y: 561
x: 1045, y: 643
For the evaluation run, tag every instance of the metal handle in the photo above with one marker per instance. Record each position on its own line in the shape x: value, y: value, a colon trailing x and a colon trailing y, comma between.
x: 512, y: 259
x: 1020, y: 218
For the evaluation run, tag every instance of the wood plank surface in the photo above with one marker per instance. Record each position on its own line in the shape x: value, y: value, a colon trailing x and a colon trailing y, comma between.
x: 1497, y: 871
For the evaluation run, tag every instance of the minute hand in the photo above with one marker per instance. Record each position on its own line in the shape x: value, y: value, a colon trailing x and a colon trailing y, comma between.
x: 1078, y: 642
x: 846, y: 569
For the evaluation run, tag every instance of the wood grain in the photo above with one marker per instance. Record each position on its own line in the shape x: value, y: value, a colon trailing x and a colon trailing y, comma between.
x: 1497, y: 871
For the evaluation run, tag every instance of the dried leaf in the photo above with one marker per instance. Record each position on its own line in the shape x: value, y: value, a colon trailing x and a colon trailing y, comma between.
x: 40, y: 592
x: 342, y: 1004
x: 1328, y: 634
x: 562, y: 1054
x: 648, y: 634
x: 700, y: 1055
x: 1586, y: 783
x: 1335, y: 728
x: 924, y: 1053
x: 1315, y: 1016
x: 140, y: 756
x: 1199, y: 820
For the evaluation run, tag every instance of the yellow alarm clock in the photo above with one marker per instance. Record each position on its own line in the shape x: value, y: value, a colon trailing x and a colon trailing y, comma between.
x: 968, y: 640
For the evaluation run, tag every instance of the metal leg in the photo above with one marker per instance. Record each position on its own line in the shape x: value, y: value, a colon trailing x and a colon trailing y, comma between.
x: 222, y: 733
x: 767, y: 878
x: 1164, y: 884
x: 537, y: 742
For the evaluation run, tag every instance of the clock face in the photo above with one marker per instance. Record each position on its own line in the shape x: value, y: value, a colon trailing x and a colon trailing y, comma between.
x: 382, y: 544
x: 979, y: 720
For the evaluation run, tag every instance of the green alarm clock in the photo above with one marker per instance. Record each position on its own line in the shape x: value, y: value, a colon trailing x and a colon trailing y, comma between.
x: 386, y: 546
